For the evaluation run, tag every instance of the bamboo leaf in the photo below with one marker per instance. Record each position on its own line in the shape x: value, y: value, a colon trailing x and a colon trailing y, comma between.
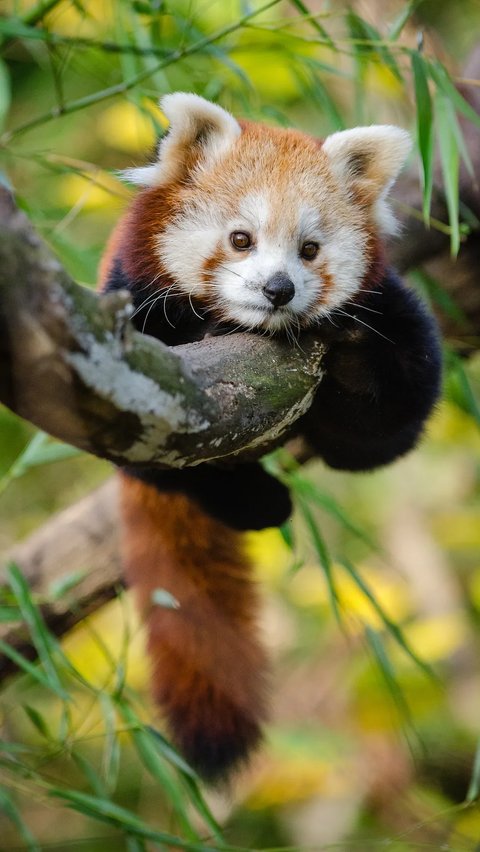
x: 474, y: 786
x: 401, y: 19
x: 383, y: 661
x: 106, y: 811
x: 323, y: 556
x: 189, y: 778
x: 157, y: 766
x: 313, y: 21
x: 90, y: 773
x: 434, y: 292
x: 390, y: 625
x: 37, y: 721
x: 39, y: 633
x: 448, y: 88
x: 449, y: 159
x: 424, y: 118
x: 309, y: 490
x: 111, y: 748
x: 9, y: 808
x: 369, y: 42
x: 29, y: 668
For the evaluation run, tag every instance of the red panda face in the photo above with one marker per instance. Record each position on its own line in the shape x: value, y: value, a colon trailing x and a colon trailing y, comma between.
x: 270, y: 227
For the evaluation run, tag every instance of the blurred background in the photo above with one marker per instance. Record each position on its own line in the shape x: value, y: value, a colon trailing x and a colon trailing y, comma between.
x: 372, y: 593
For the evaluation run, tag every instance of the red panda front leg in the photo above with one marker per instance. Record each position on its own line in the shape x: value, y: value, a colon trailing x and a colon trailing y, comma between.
x: 208, y: 668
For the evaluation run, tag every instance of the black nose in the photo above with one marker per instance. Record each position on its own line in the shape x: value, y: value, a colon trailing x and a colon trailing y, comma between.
x: 279, y: 290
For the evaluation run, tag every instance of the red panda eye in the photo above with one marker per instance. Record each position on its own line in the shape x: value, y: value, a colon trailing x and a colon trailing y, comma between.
x: 240, y: 240
x: 309, y: 251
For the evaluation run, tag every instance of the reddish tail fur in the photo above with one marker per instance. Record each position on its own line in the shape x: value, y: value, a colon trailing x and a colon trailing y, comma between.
x: 208, y: 669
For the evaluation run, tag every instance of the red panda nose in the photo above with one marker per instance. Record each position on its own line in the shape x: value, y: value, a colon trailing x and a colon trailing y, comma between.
x: 279, y: 289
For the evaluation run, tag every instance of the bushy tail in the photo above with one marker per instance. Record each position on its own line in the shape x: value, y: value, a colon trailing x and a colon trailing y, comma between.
x: 208, y: 668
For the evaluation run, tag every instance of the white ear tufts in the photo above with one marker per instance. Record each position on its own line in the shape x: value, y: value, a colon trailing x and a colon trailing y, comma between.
x: 184, y: 109
x: 376, y: 153
x: 140, y: 176
x: 366, y: 161
x: 200, y: 133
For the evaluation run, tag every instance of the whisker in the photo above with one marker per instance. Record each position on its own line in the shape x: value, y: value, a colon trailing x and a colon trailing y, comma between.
x: 146, y: 316
x: 193, y: 309
x: 344, y: 313
x: 364, y: 308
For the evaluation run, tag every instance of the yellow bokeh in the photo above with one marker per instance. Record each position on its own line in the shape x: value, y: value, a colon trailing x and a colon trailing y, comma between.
x: 125, y: 127
x: 437, y: 638
x: 269, y: 553
x: 458, y: 529
x: 90, y: 191
x: 309, y: 589
x: 452, y: 425
x: 290, y: 781
x: 96, y: 646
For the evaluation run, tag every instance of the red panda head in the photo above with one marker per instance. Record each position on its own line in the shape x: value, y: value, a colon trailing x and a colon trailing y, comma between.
x: 269, y: 226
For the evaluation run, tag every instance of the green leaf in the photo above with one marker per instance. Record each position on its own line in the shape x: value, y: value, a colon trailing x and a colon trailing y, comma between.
x: 59, y: 587
x: 39, y: 633
x: 5, y: 92
x: 111, y: 748
x: 10, y: 614
x: 136, y: 844
x: 106, y: 811
x: 449, y: 158
x: 29, y: 668
x: 91, y: 774
x: 374, y: 640
x: 189, y: 778
x: 458, y: 387
x: 424, y: 118
x: 474, y: 786
x: 447, y: 86
x: 368, y: 41
x: 286, y: 531
x: 39, y: 450
x: 323, y: 556
x: 37, y: 721
x: 315, y: 91
x: 390, y: 625
x: 434, y: 291
x: 157, y: 767
x: 307, y: 489
x: 401, y: 19
x: 306, y: 13
x: 9, y: 808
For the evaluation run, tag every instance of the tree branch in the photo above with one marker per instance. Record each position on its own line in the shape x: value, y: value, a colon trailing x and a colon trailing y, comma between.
x: 80, y: 541
x: 72, y: 364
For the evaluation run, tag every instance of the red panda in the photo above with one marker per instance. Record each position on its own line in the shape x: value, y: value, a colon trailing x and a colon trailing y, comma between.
x: 240, y: 226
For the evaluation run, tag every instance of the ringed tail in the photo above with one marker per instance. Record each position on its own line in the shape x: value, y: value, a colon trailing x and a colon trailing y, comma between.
x: 209, y: 670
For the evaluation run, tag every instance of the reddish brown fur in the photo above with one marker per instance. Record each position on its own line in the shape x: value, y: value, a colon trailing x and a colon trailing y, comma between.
x: 208, y: 669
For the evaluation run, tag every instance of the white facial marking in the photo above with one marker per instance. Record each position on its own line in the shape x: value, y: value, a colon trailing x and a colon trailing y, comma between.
x: 237, y: 283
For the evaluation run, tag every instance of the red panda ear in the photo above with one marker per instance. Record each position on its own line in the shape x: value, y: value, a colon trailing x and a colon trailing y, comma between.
x: 366, y: 160
x: 200, y: 132
x: 368, y: 157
